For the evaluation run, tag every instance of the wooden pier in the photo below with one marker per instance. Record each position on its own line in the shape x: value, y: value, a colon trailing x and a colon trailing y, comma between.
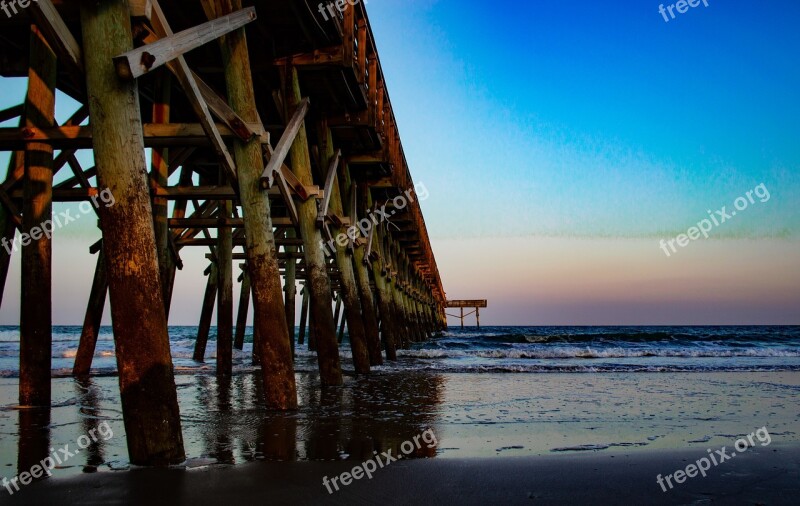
x: 274, y: 147
x: 475, y: 305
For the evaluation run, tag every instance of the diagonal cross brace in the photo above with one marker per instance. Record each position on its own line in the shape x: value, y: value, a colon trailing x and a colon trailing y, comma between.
x: 329, y: 180
x: 284, y: 144
x: 190, y: 86
x: 140, y: 61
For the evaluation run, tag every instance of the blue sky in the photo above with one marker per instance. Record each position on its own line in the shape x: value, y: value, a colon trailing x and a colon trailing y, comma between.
x: 594, y: 118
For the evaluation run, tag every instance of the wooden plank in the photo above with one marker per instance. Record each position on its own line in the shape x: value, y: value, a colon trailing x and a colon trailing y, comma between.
x: 205, y: 193
x: 325, y: 57
x: 362, y: 51
x: 141, y: 8
x: 224, y: 113
x: 80, y: 137
x: 189, y: 85
x: 12, y: 112
x: 348, y: 37
x: 217, y: 223
x: 467, y: 303
x: 285, y: 143
x: 329, y: 181
x: 283, y: 188
x: 57, y: 34
x: 138, y: 62
x: 216, y: 104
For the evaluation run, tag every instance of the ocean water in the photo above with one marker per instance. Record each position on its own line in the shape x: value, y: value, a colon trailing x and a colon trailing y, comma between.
x: 493, y: 350
x: 495, y: 391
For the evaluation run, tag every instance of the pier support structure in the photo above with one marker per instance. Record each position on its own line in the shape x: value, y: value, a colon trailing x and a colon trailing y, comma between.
x: 234, y: 170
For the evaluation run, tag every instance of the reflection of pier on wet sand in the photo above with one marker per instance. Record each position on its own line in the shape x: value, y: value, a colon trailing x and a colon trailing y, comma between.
x: 289, y: 151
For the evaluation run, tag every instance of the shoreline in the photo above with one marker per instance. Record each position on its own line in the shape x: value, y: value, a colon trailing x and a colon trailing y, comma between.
x: 762, y: 475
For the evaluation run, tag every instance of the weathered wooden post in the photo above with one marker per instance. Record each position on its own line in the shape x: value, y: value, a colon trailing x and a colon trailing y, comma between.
x: 35, y: 323
x: 207, y: 311
x: 368, y: 308
x: 316, y: 270
x: 348, y: 290
x: 159, y: 173
x: 91, y: 322
x: 149, y: 399
x: 225, y: 288
x: 290, y: 284
x: 244, y: 308
x: 403, y: 318
x: 301, y: 336
x: 7, y: 226
x: 389, y: 328
x: 270, y: 333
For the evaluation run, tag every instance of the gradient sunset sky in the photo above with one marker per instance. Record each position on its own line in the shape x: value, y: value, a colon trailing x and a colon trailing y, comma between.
x: 559, y: 143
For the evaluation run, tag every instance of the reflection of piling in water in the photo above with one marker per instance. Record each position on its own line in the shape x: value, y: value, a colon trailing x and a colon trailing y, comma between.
x: 267, y: 184
x: 34, y: 437
x: 90, y: 421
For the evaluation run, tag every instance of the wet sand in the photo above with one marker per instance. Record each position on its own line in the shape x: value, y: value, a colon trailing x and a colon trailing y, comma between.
x: 759, y: 476
x: 500, y: 437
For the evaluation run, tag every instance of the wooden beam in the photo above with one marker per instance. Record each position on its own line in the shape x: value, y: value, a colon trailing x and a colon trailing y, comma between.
x: 57, y: 34
x: 189, y: 85
x: 237, y: 241
x: 284, y: 144
x: 329, y: 56
x: 329, y: 182
x: 12, y: 112
x: 138, y: 62
x: 141, y: 8
x: 223, y: 111
x: 283, y: 188
x: 80, y: 137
